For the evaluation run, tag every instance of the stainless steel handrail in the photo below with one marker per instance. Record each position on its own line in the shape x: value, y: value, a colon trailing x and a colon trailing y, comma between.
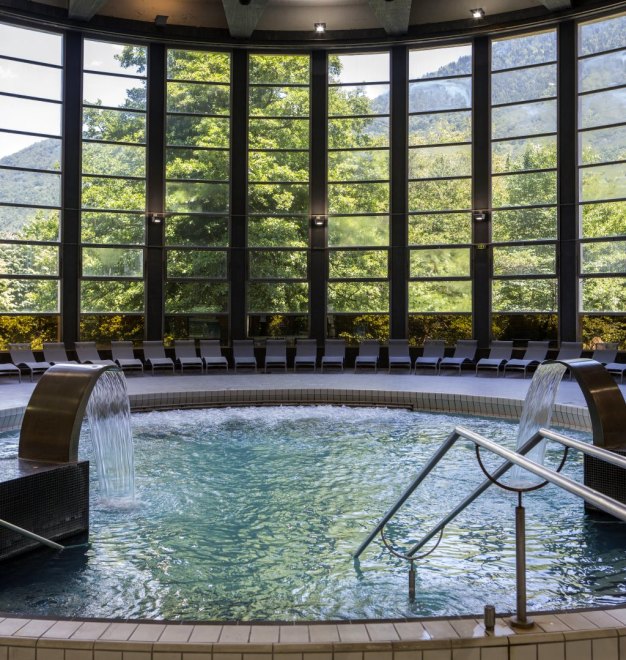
x: 31, y: 535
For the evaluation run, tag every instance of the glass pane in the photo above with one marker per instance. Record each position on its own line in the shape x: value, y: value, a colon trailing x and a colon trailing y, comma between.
x: 198, y: 131
x: 444, y: 296
x: 114, y: 125
x: 111, y: 296
x: 449, y: 327
x: 358, y: 68
x: 31, y: 44
x: 29, y: 260
x: 278, y: 198
x: 196, y: 230
x: 278, y: 232
x: 607, y: 257
x: 603, y: 220
x: 121, y: 228
x: 602, y: 35
x: 524, y: 295
x: 196, y: 326
x: 31, y: 152
x: 523, y: 51
x: 523, y: 225
x: 277, y: 69
x: 602, y: 71
x: 533, y: 327
x: 608, y: 328
x: 358, y: 165
x: 527, y: 119
x: 32, y: 329
x: 29, y: 224
x: 29, y: 296
x: 439, y: 62
x: 122, y: 194
x: 277, y: 264
x: 186, y: 297
x: 278, y: 133
x: 30, y: 116
x: 604, y: 294
x: 196, y: 263
x: 197, y: 164
x: 523, y: 85
x: 603, y: 182
x: 30, y: 79
x: 354, y: 328
x: 431, y: 162
x: 525, y: 154
x: 112, y: 262
x: 440, y: 229
x: 440, y: 195
x: 524, y: 189
x: 278, y: 166
x: 278, y: 297
x: 602, y: 108
x: 358, y: 230
x: 439, y: 262
x: 358, y: 132
x: 105, y: 328
x: 358, y: 297
x: 196, y: 197
x: 357, y: 264
x: 114, y: 159
x: 200, y: 99
x: 358, y: 198
x: 358, y: 100
x: 278, y: 325
x: 198, y: 65
x: 114, y: 92
x: 279, y: 101
x: 440, y: 127
x: 524, y: 260
x: 601, y: 145
x: 30, y: 188
x: 433, y: 95
x: 114, y: 58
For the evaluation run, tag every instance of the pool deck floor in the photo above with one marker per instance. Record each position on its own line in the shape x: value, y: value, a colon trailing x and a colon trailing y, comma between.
x: 598, y: 634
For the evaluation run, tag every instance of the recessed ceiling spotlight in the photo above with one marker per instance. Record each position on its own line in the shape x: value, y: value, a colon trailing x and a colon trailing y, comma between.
x: 479, y: 12
x: 320, y: 28
x: 160, y: 20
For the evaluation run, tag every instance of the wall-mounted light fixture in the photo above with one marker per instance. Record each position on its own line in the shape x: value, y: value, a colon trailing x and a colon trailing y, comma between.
x: 479, y: 12
x: 160, y: 20
x: 320, y: 28
x: 318, y: 220
x: 479, y: 216
x: 155, y: 218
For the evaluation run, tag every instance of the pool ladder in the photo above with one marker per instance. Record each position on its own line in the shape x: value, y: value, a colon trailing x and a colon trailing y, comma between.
x: 511, y: 458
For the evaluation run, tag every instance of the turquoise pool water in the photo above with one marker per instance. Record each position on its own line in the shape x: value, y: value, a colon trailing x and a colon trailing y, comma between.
x: 254, y: 514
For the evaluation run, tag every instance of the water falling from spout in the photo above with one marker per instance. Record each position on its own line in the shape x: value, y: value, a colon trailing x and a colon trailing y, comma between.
x: 108, y: 411
x: 537, y: 413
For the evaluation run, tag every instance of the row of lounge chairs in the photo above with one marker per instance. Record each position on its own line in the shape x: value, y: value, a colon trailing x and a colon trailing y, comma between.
x: 211, y: 357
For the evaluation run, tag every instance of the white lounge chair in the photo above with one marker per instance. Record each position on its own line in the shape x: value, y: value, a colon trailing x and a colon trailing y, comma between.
x: 211, y: 354
x: 499, y: 354
x: 434, y: 350
x: 464, y: 353
x: 243, y: 354
x: 334, y: 353
x: 88, y: 354
x: 535, y: 354
x: 570, y: 350
x: 8, y: 369
x: 306, y: 354
x: 605, y: 353
x: 22, y: 356
x: 154, y: 356
x: 399, y: 355
x: 276, y: 354
x: 186, y: 356
x: 124, y: 356
x: 369, y: 351
x: 617, y: 369
x: 54, y: 352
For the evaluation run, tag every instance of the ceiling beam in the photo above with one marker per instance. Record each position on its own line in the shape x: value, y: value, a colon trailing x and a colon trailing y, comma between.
x: 84, y: 10
x: 242, y: 19
x: 557, y: 5
x: 393, y: 15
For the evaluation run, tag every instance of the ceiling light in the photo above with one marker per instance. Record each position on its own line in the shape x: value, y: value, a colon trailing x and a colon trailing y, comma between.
x: 160, y: 21
x: 320, y: 28
x: 479, y: 12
